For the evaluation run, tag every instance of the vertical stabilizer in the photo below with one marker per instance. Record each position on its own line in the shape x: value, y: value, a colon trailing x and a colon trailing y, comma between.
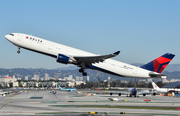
x: 159, y: 64
x: 155, y: 86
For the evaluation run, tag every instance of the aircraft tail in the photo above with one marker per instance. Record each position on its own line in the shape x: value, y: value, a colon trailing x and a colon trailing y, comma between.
x: 155, y: 86
x: 159, y: 64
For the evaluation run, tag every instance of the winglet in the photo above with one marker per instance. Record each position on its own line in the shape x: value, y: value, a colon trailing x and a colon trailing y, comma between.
x: 116, y: 53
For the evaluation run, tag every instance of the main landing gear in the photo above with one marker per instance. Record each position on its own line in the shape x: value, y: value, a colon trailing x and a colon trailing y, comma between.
x: 18, y: 50
x: 83, y: 66
x: 82, y: 71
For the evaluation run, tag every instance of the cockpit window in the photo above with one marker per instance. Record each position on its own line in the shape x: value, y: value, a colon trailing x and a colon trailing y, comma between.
x: 11, y: 34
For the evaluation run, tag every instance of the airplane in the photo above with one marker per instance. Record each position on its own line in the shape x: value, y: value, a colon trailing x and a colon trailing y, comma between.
x: 67, y: 89
x: 131, y: 92
x: 85, y: 60
x: 163, y: 90
x: 3, y: 94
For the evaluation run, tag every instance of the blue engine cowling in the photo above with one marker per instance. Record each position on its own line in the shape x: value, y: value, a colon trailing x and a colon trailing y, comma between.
x: 62, y: 59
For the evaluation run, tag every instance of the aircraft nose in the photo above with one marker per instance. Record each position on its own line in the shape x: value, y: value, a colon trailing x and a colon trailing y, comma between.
x: 6, y: 36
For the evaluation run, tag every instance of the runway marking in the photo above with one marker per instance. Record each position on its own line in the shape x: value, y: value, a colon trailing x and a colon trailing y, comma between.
x: 114, y: 106
x: 70, y: 97
x: 109, y: 113
x: 5, y: 105
x: 57, y: 97
x: 43, y: 96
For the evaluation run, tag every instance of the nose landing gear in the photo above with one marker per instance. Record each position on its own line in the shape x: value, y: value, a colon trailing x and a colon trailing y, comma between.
x: 18, y: 50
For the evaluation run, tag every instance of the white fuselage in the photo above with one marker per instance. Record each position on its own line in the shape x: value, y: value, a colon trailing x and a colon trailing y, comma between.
x: 53, y: 49
x: 164, y: 90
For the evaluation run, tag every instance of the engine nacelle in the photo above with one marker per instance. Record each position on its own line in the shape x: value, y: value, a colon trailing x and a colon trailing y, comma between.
x: 111, y: 93
x: 154, y: 94
x: 119, y: 94
x: 63, y: 59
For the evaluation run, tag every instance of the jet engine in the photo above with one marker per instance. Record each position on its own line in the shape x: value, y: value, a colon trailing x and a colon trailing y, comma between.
x: 154, y: 94
x: 111, y: 93
x: 119, y: 94
x: 64, y: 59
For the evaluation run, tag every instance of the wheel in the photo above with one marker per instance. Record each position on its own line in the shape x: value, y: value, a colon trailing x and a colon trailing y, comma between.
x: 18, y: 51
x: 81, y: 70
x: 84, y: 74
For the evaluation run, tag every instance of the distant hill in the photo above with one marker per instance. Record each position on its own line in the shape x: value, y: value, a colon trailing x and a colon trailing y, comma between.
x: 67, y: 68
x: 172, y: 69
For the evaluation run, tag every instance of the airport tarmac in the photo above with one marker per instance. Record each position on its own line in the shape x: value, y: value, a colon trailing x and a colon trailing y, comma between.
x: 42, y: 102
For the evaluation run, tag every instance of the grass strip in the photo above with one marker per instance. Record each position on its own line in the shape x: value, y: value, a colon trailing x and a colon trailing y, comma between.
x: 110, y: 106
x: 132, y: 107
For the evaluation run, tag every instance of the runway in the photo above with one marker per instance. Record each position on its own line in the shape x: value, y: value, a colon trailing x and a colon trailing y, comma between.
x: 42, y: 102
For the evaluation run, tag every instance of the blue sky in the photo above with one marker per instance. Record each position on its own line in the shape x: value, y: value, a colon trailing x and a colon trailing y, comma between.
x: 142, y: 30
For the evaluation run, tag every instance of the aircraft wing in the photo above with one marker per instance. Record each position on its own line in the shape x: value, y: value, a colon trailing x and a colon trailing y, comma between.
x: 94, y: 59
x: 143, y: 92
x: 119, y: 93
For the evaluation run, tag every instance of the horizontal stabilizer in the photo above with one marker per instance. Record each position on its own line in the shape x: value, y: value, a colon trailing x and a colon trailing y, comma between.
x: 153, y: 75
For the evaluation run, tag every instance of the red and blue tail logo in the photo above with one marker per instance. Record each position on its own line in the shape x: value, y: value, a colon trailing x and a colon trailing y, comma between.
x: 159, y: 64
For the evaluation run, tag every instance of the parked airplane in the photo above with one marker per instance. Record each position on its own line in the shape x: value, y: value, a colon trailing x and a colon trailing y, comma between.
x: 84, y: 60
x: 131, y: 92
x: 164, y: 90
x: 3, y: 94
x: 67, y: 89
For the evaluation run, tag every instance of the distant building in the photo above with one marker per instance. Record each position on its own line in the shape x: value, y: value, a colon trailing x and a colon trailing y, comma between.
x: 26, y: 78
x: 79, y: 82
x: 149, y: 80
x: 56, y: 77
x: 165, y: 81
x: 109, y: 81
x: 36, y: 77
x: 70, y: 77
x: 81, y: 79
x: 88, y: 78
x: 9, y: 81
x: 46, y: 76
x: 77, y: 78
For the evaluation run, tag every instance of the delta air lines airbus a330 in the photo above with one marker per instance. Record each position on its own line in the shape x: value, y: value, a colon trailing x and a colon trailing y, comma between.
x: 85, y: 60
